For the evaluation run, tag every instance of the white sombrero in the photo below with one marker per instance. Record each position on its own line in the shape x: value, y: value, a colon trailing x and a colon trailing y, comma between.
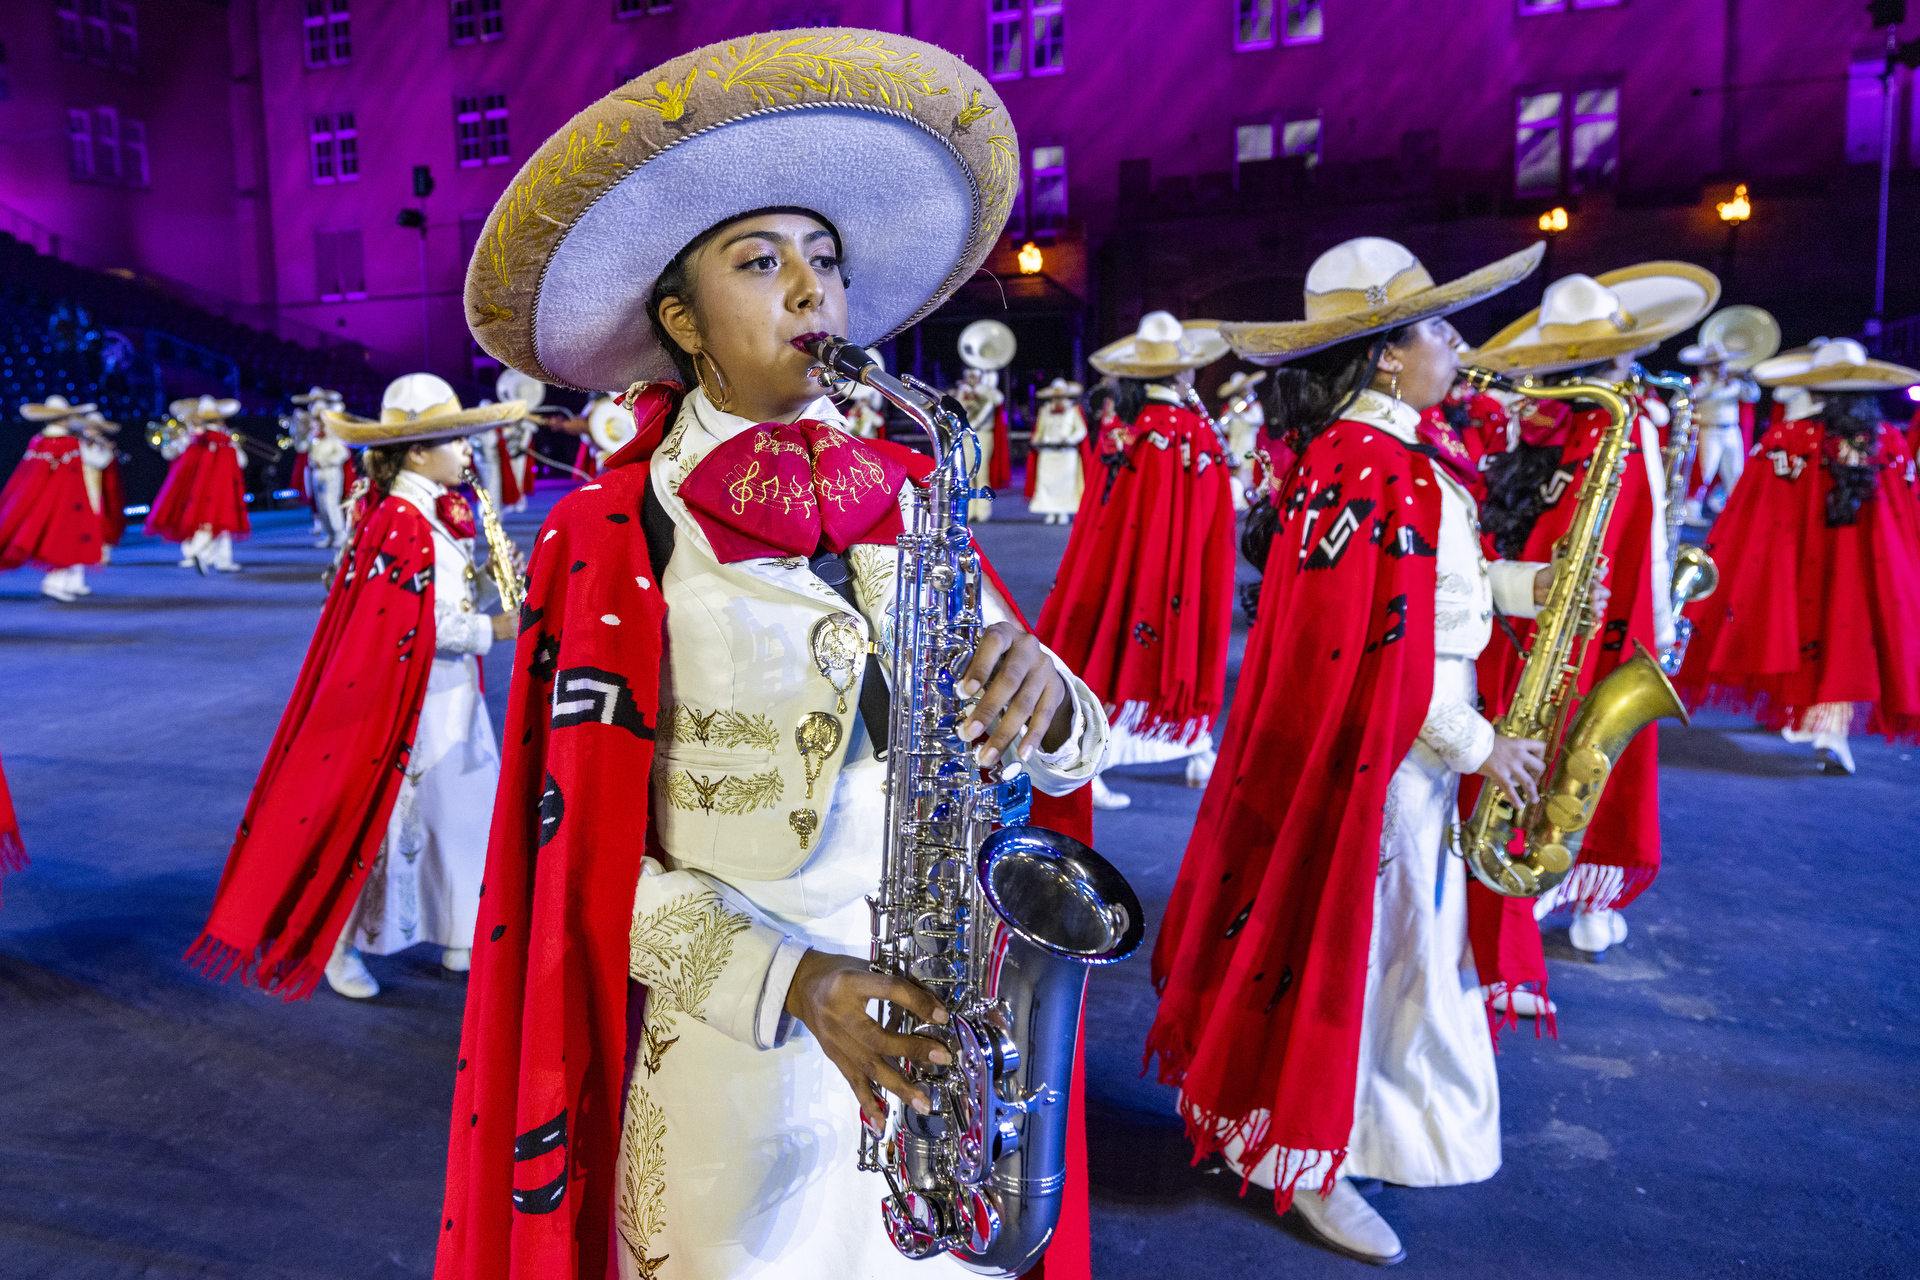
x: 1239, y: 382
x: 1369, y: 285
x: 1060, y: 389
x: 1162, y: 347
x: 1837, y: 365
x: 54, y: 410
x: 1582, y: 319
x: 905, y: 149
x: 319, y: 395
x: 419, y: 407
x: 205, y: 409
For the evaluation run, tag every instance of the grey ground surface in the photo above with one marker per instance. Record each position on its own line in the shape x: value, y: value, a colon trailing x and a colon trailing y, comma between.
x: 1732, y: 1092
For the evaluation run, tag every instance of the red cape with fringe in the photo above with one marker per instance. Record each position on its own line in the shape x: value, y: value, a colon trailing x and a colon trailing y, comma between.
x: 319, y: 810
x: 46, y: 518
x: 1806, y: 614
x: 510, y: 491
x: 1625, y: 831
x: 1141, y: 608
x: 13, y: 854
x: 1262, y: 957
x: 204, y: 489
x: 113, y: 505
x: 1000, y: 465
x: 551, y: 1013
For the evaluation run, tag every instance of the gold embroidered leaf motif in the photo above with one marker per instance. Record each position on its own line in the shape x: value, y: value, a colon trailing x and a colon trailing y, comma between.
x: 643, y: 1185
x: 974, y: 110
x: 1003, y: 169
x: 670, y: 100
x: 539, y: 206
x: 723, y: 728
x: 730, y: 794
x: 679, y: 950
x: 781, y: 68
x: 655, y: 1042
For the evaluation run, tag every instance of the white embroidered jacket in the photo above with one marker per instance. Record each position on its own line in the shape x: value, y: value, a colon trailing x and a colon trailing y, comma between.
x: 459, y: 628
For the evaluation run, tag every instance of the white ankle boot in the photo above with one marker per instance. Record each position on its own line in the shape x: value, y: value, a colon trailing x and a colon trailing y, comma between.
x: 347, y: 973
x: 1104, y: 798
x: 1595, y: 931
x: 1200, y: 767
x: 1523, y: 1004
x: 457, y: 959
x: 1345, y: 1223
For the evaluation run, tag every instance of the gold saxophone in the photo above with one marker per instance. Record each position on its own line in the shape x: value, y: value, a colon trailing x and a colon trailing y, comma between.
x: 1581, y: 754
x: 499, y: 550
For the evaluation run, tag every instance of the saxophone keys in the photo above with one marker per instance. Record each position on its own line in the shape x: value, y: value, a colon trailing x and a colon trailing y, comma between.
x: 1568, y: 813
x: 1553, y: 858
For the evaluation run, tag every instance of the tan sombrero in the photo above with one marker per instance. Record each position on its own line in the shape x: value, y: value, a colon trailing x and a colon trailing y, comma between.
x: 419, y: 407
x: 95, y: 421
x: 319, y: 395
x: 901, y: 145
x: 205, y: 409
x: 54, y: 409
x: 1582, y: 319
x: 1370, y: 285
x: 1240, y: 381
x: 1161, y: 347
x: 1060, y: 389
x: 1837, y: 365
x: 1740, y: 337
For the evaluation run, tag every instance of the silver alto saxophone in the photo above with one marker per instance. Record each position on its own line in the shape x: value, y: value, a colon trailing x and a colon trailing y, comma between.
x: 999, y: 921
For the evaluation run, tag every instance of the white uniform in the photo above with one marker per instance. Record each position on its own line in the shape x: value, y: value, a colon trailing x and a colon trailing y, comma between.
x: 327, y: 465
x: 425, y: 881
x: 1058, y: 483
x: 979, y: 394
x: 739, y: 1143
x: 1723, y: 445
x: 1242, y: 431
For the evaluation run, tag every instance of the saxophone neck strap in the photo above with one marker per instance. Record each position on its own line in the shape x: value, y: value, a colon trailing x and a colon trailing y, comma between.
x: 875, y: 704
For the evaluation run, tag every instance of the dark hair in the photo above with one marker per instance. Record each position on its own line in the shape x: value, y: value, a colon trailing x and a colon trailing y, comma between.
x: 1515, y: 497
x: 1852, y: 420
x: 382, y: 463
x: 1309, y: 394
x: 1127, y: 395
x: 1257, y: 534
x: 676, y: 281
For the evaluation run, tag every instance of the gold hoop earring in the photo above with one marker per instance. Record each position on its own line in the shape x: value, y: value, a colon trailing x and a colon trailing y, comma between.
x: 1394, y: 391
x: 717, y: 399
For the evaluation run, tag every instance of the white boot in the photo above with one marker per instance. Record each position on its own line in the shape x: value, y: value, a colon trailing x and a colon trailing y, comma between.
x: 106, y: 553
x: 347, y: 972
x: 1345, y: 1223
x: 1595, y: 931
x: 77, y: 581
x: 1831, y: 750
x: 1105, y: 799
x: 54, y: 586
x: 1523, y: 1004
x: 194, y: 548
x: 1200, y: 767
x: 457, y: 959
x: 221, y: 554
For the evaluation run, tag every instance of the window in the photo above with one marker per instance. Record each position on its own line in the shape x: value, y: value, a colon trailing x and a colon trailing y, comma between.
x: 477, y: 20
x: 322, y: 139
x: 1049, y: 38
x: 124, y: 34
x: 80, y: 144
x: 1530, y: 7
x: 1253, y: 142
x: 72, y: 43
x: 480, y: 130
x: 1006, y: 50
x: 1866, y: 101
x: 329, y: 32
x: 1047, y: 202
x: 106, y: 145
x: 466, y: 133
x: 1253, y: 24
x: 1596, y: 138
x: 1305, y: 23
x: 133, y: 153
x: 1536, y: 149
x: 339, y: 269
x: 637, y: 8
x: 94, y: 35
x: 335, y: 149
x: 495, y: 107
x: 1302, y: 138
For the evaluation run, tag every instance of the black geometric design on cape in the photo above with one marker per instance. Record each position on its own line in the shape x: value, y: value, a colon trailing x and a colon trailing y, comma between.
x: 1144, y: 634
x: 1295, y: 500
x: 1405, y: 540
x: 1809, y: 652
x: 1239, y: 921
x: 619, y: 517
x: 588, y: 695
x: 1614, y: 638
x: 1332, y: 545
x: 542, y: 1199
x: 1281, y: 987
x: 553, y: 807
x: 546, y: 657
x: 536, y: 1142
x: 530, y: 615
x: 1396, y: 629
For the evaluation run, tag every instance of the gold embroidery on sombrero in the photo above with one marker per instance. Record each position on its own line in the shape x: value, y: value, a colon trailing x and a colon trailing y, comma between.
x: 728, y: 794
x: 787, y: 66
x: 974, y: 110
x: 670, y: 100
x: 542, y: 204
x: 643, y: 1191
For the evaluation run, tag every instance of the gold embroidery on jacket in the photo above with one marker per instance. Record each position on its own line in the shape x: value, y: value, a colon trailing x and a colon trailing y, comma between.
x: 730, y: 794
x: 722, y: 728
x: 680, y: 949
x: 654, y: 1042
x: 643, y: 1189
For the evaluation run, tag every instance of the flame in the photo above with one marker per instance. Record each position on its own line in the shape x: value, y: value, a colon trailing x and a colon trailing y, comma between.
x: 1738, y: 209
x: 1554, y: 221
x: 1030, y: 259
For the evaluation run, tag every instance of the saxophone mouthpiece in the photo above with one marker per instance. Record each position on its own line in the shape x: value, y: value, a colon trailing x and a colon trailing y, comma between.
x: 1486, y: 380
x: 848, y: 359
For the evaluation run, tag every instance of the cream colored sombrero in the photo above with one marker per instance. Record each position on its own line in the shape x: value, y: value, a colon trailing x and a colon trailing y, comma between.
x: 1370, y: 285
x: 1837, y: 365
x: 205, y: 409
x: 1060, y: 389
x: 901, y: 145
x: 1739, y: 336
x: 96, y: 421
x: 1161, y: 347
x: 1582, y: 319
x: 54, y: 410
x: 419, y: 407
x: 1240, y: 382
x: 320, y: 396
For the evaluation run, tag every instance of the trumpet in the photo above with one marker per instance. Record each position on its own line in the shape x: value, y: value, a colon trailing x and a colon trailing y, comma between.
x: 506, y: 577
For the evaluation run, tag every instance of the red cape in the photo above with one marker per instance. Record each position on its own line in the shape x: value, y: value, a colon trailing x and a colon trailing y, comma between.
x: 1262, y: 957
x: 1806, y: 614
x: 13, y: 854
x: 45, y: 516
x: 509, y: 482
x: 1625, y: 831
x: 113, y: 505
x: 549, y: 1004
x: 319, y: 810
x: 204, y: 488
x: 1141, y: 608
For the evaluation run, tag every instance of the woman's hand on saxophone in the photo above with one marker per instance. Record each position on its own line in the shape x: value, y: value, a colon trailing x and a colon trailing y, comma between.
x: 829, y: 995
x: 506, y: 626
x: 1023, y: 701
x: 1543, y: 586
x: 1516, y: 766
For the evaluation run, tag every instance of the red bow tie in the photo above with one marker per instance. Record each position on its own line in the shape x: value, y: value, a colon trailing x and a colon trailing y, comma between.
x: 782, y: 489
x: 1444, y: 447
x: 455, y: 514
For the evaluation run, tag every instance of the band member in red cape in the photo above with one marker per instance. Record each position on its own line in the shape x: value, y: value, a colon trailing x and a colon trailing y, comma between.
x: 1142, y: 605
x: 699, y: 616
x: 323, y: 465
x: 866, y: 409
x: 1589, y: 327
x: 516, y: 438
x: 1815, y: 628
x: 1241, y: 417
x: 100, y: 463
x: 13, y: 853
x: 46, y: 518
x: 203, y: 502
x: 1056, y: 477
x: 1320, y: 1007
x: 367, y: 828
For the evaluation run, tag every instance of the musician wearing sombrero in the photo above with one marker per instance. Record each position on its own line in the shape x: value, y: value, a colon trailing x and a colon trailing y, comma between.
x: 46, y: 517
x: 367, y: 828
x: 1724, y: 396
x: 100, y: 468
x: 1241, y: 416
x: 1142, y: 603
x: 1815, y: 627
x: 323, y: 464
x: 1056, y: 478
x: 202, y: 504
x: 667, y: 1050
x: 1595, y: 327
x: 1320, y: 1006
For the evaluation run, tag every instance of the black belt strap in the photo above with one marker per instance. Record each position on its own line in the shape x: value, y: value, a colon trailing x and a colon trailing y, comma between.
x: 875, y: 703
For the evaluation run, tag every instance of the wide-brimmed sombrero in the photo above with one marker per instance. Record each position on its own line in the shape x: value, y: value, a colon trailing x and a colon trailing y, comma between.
x: 1840, y: 364
x: 204, y: 409
x: 1060, y: 389
x: 1240, y: 382
x: 902, y: 146
x: 1161, y: 347
x: 96, y: 421
x: 54, y: 410
x: 1739, y: 336
x: 1582, y: 319
x: 1369, y: 285
x: 419, y: 407
x: 319, y: 395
